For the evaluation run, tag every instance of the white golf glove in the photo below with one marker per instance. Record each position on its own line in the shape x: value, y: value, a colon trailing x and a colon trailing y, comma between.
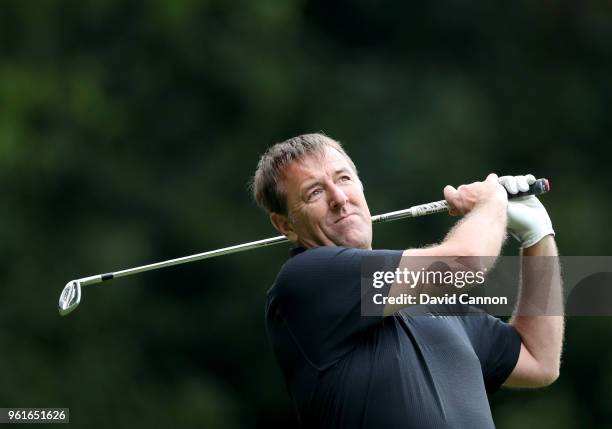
x: 528, y: 221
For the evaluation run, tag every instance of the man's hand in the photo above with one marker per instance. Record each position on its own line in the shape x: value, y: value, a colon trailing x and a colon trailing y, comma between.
x: 528, y: 221
x: 480, y: 233
x: 466, y: 197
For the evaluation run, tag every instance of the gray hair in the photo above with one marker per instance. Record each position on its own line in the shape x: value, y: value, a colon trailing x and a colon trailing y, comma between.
x: 265, y: 185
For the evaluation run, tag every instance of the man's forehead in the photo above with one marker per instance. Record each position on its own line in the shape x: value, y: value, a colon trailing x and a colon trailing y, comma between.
x: 315, y: 165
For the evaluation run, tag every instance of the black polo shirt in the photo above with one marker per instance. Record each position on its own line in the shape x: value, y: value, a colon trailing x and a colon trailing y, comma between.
x: 343, y: 370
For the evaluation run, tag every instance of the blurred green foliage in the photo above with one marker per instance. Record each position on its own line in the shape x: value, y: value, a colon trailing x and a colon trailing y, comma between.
x: 128, y: 132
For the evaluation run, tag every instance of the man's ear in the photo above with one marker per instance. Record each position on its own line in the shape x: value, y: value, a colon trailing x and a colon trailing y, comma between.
x: 283, y: 225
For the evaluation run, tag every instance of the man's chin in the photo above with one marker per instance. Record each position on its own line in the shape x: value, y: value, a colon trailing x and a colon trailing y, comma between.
x: 354, y: 239
x: 355, y: 242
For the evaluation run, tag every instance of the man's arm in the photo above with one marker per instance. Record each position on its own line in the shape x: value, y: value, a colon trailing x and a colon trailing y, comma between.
x: 484, y: 204
x: 539, y: 317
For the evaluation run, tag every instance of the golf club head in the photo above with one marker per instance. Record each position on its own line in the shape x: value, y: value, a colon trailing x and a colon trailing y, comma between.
x: 70, y: 297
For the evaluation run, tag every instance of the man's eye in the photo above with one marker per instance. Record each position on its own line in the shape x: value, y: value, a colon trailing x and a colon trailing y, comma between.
x: 314, y: 193
x: 345, y: 178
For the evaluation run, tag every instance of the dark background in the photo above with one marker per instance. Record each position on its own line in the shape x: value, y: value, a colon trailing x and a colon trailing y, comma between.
x: 128, y: 133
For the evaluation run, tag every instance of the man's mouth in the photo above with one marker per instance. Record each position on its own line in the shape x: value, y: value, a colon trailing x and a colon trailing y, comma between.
x: 344, y: 217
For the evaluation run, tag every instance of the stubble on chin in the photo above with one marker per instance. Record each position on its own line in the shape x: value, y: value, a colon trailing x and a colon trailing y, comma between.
x: 357, y: 238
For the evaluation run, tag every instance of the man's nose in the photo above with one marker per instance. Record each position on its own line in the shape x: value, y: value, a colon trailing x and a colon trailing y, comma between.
x: 337, y: 197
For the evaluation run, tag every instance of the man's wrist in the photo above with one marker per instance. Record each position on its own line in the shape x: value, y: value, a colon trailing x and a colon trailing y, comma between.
x: 538, y: 245
x: 495, y: 207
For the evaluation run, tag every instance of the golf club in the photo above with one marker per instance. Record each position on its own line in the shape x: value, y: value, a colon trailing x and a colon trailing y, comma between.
x: 71, y: 294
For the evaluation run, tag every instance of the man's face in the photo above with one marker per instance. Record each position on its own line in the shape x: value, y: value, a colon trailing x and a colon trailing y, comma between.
x: 326, y: 203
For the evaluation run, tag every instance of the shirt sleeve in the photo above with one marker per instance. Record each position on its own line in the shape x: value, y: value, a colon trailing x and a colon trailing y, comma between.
x: 319, y: 297
x: 497, y: 345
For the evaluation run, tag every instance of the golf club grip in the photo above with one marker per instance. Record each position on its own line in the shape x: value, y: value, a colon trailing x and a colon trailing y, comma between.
x: 540, y: 186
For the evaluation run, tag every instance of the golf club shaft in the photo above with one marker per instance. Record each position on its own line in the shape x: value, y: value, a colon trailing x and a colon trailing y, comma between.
x: 539, y: 187
x: 420, y: 210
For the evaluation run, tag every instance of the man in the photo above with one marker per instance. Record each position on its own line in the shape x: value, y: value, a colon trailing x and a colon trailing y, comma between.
x: 345, y: 370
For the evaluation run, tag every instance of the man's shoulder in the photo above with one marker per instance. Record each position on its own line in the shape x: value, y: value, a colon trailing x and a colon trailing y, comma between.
x: 310, y: 273
x: 318, y: 254
x: 314, y: 262
x: 325, y: 264
x: 323, y: 254
x: 327, y: 260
